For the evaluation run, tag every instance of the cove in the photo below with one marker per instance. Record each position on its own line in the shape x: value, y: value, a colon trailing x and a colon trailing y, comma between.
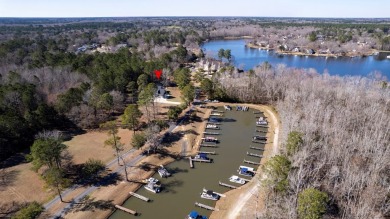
x: 247, y: 58
x: 183, y: 188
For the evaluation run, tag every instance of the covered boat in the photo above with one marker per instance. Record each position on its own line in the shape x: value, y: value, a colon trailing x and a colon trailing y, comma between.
x: 195, y: 215
x: 202, y: 156
x: 208, y: 194
x: 246, y: 171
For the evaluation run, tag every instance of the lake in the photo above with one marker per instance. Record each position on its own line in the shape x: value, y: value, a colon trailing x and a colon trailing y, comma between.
x: 247, y: 58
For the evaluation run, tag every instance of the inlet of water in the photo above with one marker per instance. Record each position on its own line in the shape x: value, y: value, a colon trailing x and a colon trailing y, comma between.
x: 183, y: 189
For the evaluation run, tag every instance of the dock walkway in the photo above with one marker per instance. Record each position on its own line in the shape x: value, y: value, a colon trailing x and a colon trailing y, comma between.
x: 143, y: 198
x: 126, y: 210
x: 206, y: 206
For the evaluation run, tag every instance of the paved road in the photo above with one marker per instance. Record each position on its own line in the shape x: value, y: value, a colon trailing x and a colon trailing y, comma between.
x: 90, y: 189
x: 50, y: 204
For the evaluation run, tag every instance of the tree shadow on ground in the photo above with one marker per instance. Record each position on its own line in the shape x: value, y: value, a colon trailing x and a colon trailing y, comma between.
x: 89, y: 204
x: 170, y: 138
x: 78, y: 176
x: 163, y: 153
x: 7, y: 178
x: 10, y: 208
x: 147, y: 166
x: 14, y: 160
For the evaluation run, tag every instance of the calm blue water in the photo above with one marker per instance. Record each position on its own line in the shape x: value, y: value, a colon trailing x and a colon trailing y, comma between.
x: 247, y: 58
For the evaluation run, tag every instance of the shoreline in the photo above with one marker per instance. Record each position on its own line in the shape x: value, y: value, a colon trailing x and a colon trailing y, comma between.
x: 347, y: 55
x: 119, y: 197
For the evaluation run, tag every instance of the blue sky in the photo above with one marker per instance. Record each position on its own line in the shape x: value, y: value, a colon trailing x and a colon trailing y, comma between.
x: 260, y: 8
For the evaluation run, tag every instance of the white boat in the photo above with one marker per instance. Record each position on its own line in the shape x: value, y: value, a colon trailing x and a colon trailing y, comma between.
x: 261, y: 121
x: 212, y: 126
x: 163, y: 172
x: 216, y: 114
x: 237, y: 179
x: 227, y: 107
x: 210, y: 139
x: 246, y: 171
x: 208, y: 194
x: 388, y: 57
x: 153, y: 185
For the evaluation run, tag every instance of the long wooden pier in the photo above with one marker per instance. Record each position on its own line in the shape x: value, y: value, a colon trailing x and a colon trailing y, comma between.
x: 201, y: 160
x: 251, y: 162
x: 259, y: 142
x: 261, y: 131
x: 208, y: 152
x: 211, y: 133
x: 256, y: 148
x: 214, y: 123
x: 191, y: 163
x: 126, y: 210
x: 209, y: 145
x: 262, y: 126
x: 227, y: 185
x: 143, y: 198
x: 253, y: 155
x: 206, y: 206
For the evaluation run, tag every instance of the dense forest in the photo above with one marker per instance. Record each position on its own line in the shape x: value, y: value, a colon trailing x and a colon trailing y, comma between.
x: 335, y: 134
x: 74, y: 74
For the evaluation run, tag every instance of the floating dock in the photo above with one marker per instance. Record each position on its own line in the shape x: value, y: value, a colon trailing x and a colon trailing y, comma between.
x: 261, y: 131
x: 251, y: 162
x: 256, y: 148
x: 217, y: 111
x: 259, y: 142
x: 201, y: 161
x: 254, y: 155
x: 143, y: 198
x: 208, y: 152
x: 209, y: 145
x: 254, y: 112
x: 205, y: 206
x: 227, y: 185
x: 214, y: 123
x: 262, y: 126
x: 216, y: 128
x: 211, y: 133
x: 191, y: 163
x: 126, y: 210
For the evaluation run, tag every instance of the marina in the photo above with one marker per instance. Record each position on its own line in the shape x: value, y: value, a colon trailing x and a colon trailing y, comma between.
x: 183, y: 188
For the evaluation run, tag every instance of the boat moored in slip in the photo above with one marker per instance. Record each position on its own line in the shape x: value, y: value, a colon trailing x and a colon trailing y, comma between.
x: 388, y: 56
x: 208, y: 194
x: 227, y: 107
x: 246, y: 171
x: 210, y: 139
x: 261, y: 121
x: 212, y: 126
x: 237, y: 179
x: 202, y: 157
x: 195, y: 215
x: 153, y: 185
x: 163, y: 172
